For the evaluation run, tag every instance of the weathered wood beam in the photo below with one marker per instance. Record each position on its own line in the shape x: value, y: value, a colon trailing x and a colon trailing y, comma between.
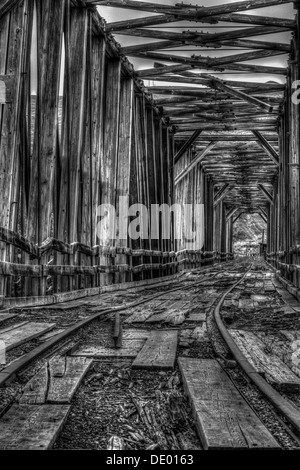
x: 202, y: 38
x: 267, y: 146
x: 140, y: 22
x: 199, y: 157
x: 216, y: 40
x: 266, y: 193
x: 255, y: 19
x: 233, y: 58
x: 207, y: 64
x: 230, y: 137
x: 193, y: 79
x: 263, y: 212
x: 216, y: 83
x: 263, y: 217
x: 222, y: 193
x: 224, y: 127
x: 187, y: 145
x: 6, y: 88
x: 250, y: 44
x: 187, y: 10
x: 162, y: 70
x: 279, y: 48
x: 237, y: 217
x: 153, y: 46
x: 231, y: 18
x: 182, y: 70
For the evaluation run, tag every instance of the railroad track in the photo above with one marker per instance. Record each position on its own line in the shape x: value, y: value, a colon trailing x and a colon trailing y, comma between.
x: 119, y: 393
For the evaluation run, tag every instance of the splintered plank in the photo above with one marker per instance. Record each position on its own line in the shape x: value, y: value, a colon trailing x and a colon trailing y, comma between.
x: 6, y: 316
x: 32, y: 427
x: 159, y: 351
x: 57, y: 381
x: 270, y: 365
x: 130, y: 349
x: 28, y: 331
x: 223, y: 419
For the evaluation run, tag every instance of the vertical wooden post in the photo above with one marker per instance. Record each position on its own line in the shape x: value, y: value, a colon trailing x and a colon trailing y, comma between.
x: 73, y: 129
x: 109, y: 163
x: 124, y: 165
x: 13, y: 37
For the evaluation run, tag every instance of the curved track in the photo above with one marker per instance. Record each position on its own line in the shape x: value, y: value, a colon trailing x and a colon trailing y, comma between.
x: 216, y: 285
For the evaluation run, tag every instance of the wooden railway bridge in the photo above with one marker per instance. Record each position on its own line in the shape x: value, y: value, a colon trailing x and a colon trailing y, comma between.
x: 80, y: 127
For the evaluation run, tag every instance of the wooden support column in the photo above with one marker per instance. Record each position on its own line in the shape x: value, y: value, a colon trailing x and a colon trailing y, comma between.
x: 109, y: 163
x: 124, y: 165
x: 223, y: 232
x: 13, y: 39
x: 74, y: 120
x: 41, y: 210
x: 97, y: 108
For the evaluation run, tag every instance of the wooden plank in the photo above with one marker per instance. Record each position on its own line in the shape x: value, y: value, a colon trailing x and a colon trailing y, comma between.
x: 130, y: 349
x: 57, y: 381
x: 31, y: 427
x: 159, y: 351
x: 196, y: 317
x: 267, y: 364
x: 223, y: 419
x: 21, y: 335
x: 139, y: 317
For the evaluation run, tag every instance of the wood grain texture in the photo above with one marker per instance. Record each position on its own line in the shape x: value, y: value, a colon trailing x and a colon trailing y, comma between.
x: 159, y: 351
x: 31, y: 427
x: 223, y: 419
x: 56, y: 382
x: 20, y: 335
x: 270, y: 365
